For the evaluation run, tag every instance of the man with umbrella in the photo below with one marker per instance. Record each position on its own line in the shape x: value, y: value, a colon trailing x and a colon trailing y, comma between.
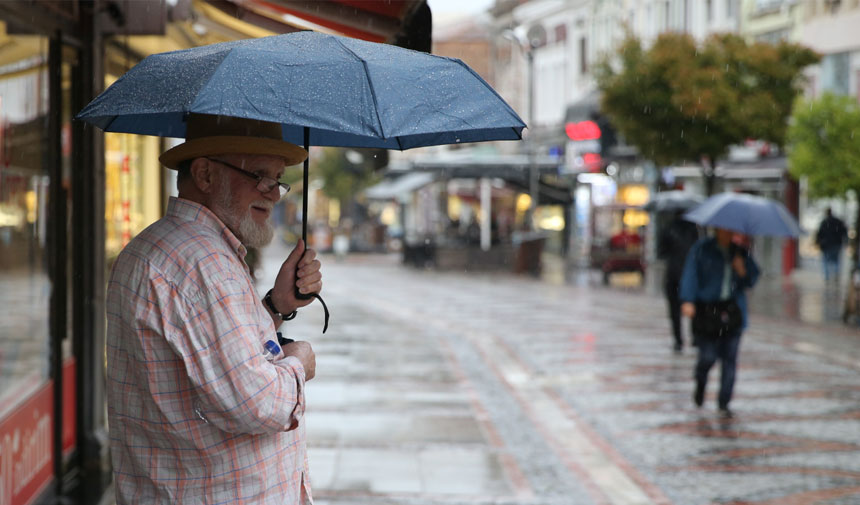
x: 316, y: 89
x: 203, y: 406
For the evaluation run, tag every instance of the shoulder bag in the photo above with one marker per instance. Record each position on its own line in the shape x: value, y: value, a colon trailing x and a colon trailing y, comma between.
x: 717, y: 319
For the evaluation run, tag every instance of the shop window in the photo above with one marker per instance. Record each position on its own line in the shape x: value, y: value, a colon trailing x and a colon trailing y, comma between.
x: 835, y: 73
x: 133, y: 188
x: 25, y: 287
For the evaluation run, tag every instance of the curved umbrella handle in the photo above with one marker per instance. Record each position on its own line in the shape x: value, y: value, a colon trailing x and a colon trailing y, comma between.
x: 306, y: 166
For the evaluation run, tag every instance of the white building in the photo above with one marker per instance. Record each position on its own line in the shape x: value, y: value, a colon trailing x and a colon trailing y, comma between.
x: 565, y: 39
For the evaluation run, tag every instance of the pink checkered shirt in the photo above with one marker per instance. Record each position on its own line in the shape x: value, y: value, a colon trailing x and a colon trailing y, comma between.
x: 196, y: 413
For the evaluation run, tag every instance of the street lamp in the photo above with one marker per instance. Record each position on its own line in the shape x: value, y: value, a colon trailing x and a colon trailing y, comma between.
x: 527, y: 43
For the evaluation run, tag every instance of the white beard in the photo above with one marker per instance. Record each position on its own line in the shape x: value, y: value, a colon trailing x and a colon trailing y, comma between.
x: 240, y: 222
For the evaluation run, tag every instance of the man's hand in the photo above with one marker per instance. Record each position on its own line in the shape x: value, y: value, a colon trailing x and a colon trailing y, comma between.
x: 740, y: 266
x: 300, y: 270
x: 305, y: 354
x: 688, y: 309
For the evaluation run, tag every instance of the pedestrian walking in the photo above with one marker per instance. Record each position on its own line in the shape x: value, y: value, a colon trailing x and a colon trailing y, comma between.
x: 831, y: 236
x: 716, y: 273
x: 675, y: 240
x: 204, y: 406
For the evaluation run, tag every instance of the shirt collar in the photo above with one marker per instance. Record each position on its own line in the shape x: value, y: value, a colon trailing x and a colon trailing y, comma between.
x: 188, y: 210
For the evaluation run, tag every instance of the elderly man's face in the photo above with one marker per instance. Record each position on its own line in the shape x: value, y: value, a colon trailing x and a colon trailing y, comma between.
x: 237, y: 201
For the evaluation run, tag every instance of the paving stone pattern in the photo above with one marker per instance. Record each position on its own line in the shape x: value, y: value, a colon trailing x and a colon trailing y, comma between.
x: 463, y: 388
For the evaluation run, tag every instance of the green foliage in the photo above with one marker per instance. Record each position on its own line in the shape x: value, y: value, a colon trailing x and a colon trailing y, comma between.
x: 824, y: 143
x: 342, y: 180
x: 680, y: 100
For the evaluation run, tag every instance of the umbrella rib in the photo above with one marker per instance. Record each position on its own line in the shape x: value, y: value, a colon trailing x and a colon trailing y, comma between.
x: 107, y: 126
x: 490, y: 88
x: 369, y: 85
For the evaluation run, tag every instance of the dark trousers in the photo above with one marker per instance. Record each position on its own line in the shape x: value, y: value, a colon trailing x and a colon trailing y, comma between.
x: 674, y: 302
x: 831, y: 262
x: 726, y: 350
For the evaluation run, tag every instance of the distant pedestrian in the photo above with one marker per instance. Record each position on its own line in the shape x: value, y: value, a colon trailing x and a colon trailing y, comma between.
x: 673, y: 244
x: 716, y: 274
x: 832, y: 235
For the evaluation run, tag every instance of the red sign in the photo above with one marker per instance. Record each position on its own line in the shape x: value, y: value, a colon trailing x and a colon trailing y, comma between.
x: 592, y: 161
x: 26, y: 441
x: 583, y: 130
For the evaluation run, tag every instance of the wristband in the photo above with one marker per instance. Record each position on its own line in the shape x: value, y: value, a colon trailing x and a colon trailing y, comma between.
x: 284, y: 317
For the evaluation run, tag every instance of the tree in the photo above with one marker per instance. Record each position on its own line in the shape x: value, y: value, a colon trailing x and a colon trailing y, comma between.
x: 824, y: 146
x: 342, y: 178
x: 682, y: 101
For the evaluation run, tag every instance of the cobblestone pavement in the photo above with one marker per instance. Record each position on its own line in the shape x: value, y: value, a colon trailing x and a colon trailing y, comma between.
x: 459, y: 388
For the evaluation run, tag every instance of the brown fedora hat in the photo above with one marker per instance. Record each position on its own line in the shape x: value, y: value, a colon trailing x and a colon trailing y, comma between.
x: 208, y: 135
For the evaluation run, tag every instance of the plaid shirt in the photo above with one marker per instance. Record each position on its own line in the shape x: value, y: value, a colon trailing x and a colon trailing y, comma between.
x: 196, y: 413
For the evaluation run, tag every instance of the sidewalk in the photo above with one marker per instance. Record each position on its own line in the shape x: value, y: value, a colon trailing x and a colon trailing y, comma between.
x: 443, y: 388
x: 802, y: 298
x: 455, y: 388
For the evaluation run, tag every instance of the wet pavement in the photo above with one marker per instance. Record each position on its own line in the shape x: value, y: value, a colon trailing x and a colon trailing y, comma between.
x: 460, y: 388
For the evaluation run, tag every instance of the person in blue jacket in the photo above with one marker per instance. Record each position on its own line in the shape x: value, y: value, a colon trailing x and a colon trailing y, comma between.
x: 717, y: 269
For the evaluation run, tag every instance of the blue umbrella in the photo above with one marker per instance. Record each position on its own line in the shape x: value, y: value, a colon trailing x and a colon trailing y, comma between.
x: 344, y: 92
x: 747, y: 214
x: 324, y: 90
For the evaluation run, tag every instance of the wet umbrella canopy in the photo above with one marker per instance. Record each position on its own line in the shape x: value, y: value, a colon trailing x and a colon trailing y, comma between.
x: 324, y: 90
x: 346, y: 92
x: 747, y: 214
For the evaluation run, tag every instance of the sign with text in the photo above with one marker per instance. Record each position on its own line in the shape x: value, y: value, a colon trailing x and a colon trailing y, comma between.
x: 583, y: 151
x: 26, y: 441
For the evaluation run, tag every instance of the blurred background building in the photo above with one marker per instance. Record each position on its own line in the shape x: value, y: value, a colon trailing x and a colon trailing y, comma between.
x: 541, y: 59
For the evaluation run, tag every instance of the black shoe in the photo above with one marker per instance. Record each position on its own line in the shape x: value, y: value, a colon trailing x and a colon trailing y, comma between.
x: 726, y: 413
x: 699, y: 395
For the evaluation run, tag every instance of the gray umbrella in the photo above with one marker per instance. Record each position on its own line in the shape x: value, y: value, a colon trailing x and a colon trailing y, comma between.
x: 668, y: 201
x: 747, y: 214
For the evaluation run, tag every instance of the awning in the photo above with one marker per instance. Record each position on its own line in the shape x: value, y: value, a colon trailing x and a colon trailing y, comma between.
x: 514, y: 169
x: 465, y: 164
x: 396, y: 188
x: 373, y: 20
x: 773, y: 167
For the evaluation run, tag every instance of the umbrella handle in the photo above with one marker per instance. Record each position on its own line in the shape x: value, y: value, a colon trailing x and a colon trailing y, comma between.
x: 325, y: 310
x: 306, y: 166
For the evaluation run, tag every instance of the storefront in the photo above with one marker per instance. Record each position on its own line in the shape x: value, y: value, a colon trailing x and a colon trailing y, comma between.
x: 70, y: 198
x: 49, y: 431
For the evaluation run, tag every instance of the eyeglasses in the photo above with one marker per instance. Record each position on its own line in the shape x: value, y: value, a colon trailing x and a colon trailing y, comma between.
x: 264, y: 183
